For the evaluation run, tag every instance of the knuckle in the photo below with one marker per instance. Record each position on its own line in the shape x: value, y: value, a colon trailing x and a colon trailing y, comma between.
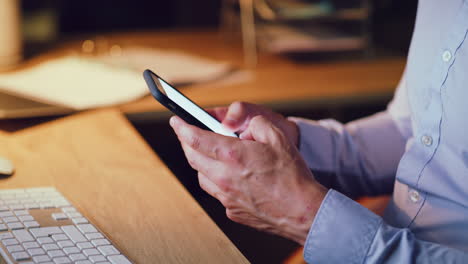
x: 225, y: 185
x: 225, y: 201
x: 194, y: 142
x: 231, y: 215
x: 231, y: 154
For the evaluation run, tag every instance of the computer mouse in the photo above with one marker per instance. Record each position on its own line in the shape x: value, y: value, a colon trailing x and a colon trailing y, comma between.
x: 6, y: 167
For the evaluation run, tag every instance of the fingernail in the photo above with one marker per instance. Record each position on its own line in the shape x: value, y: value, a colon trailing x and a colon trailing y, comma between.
x: 172, y: 121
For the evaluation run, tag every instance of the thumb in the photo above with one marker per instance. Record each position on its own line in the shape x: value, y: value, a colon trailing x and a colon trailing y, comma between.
x: 237, y: 116
x: 262, y: 130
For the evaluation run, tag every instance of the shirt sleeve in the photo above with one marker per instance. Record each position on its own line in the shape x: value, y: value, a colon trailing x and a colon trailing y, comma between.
x: 361, y: 157
x: 345, y: 232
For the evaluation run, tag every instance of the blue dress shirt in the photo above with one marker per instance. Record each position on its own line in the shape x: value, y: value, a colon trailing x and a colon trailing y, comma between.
x: 417, y: 150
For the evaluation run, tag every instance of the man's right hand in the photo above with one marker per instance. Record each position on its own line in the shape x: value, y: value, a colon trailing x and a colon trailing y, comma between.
x: 237, y: 117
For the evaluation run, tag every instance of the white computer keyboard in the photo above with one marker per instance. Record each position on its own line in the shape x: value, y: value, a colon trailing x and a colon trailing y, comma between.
x: 38, y: 225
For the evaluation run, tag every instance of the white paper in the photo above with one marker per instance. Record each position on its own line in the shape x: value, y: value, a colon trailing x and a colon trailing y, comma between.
x: 174, y: 66
x: 76, y: 83
x: 81, y: 83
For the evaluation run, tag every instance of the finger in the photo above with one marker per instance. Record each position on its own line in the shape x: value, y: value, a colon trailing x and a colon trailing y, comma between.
x: 262, y: 130
x: 212, y: 189
x: 216, y: 146
x: 238, y: 116
x: 218, y: 112
x: 203, y: 163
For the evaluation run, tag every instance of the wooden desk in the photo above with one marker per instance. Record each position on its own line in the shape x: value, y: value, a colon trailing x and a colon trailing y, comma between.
x: 101, y: 164
x: 276, y: 81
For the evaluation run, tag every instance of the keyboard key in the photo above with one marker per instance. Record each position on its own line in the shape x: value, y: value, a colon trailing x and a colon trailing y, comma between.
x: 31, y: 224
x: 55, y: 253
x: 4, y: 208
x: 6, y: 214
x: 83, y: 262
x: 15, y: 248
x: 28, y: 245
x: 118, y: 259
x: 87, y: 228
x: 6, y: 235
x: 50, y: 247
x: 61, y: 260
x: 100, y: 242
x: 3, y: 227
x: 59, y: 237
x: 23, y: 236
x: 65, y: 243
x: 10, y: 219
x: 36, y: 251
x: 10, y: 242
x: 16, y: 207
x: 59, y: 216
x: 46, y: 205
x: 90, y: 252
x: 15, y: 225
x: 11, y: 202
x: 68, y: 209
x: 41, y: 258
x: 45, y: 231
x: 80, y: 220
x: 18, y: 256
x: 45, y: 240
x: 21, y: 212
x: 32, y: 206
x: 84, y: 245
x: 23, y: 218
x: 92, y: 236
x: 74, y: 214
x: 71, y: 250
x: 108, y: 250
x: 97, y: 258
x: 73, y: 233
x: 78, y: 256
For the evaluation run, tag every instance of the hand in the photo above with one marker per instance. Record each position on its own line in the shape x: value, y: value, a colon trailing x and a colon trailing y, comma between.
x: 238, y: 115
x: 263, y: 183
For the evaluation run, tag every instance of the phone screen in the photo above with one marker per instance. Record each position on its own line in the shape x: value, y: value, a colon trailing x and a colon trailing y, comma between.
x: 191, y: 107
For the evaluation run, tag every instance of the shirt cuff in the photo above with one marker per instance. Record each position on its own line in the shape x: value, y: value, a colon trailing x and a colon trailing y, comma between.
x: 342, y: 231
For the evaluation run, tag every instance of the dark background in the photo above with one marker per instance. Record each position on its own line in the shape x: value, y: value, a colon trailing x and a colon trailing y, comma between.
x: 392, y: 21
x: 392, y: 25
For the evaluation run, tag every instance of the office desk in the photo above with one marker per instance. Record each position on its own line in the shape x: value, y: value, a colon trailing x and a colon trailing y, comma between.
x: 276, y: 81
x: 101, y: 164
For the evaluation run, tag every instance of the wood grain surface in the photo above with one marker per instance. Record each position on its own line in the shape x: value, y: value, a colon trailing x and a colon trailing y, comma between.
x: 101, y: 164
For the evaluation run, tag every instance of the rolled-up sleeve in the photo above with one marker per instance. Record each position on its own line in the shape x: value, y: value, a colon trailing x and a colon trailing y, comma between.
x: 345, y: 232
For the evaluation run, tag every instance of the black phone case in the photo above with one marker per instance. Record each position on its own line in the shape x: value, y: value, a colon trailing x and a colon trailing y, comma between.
x: 168, y: 103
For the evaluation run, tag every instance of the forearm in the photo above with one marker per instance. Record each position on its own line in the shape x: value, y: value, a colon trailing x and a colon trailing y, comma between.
x: 359, y: 158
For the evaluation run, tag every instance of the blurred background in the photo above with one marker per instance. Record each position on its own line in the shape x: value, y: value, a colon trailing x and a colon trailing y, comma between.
x: 302, y: 34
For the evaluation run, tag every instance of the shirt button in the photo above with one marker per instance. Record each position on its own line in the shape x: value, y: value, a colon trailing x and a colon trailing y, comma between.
x: 446, y: 56
x: 414, y: 196
x: 426, y: 140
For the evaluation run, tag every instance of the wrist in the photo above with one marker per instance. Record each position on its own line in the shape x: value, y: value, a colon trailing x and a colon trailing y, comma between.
x: 298, y: 226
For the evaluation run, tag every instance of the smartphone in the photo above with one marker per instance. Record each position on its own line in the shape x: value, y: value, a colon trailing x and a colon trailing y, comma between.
x: 183, y: 107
